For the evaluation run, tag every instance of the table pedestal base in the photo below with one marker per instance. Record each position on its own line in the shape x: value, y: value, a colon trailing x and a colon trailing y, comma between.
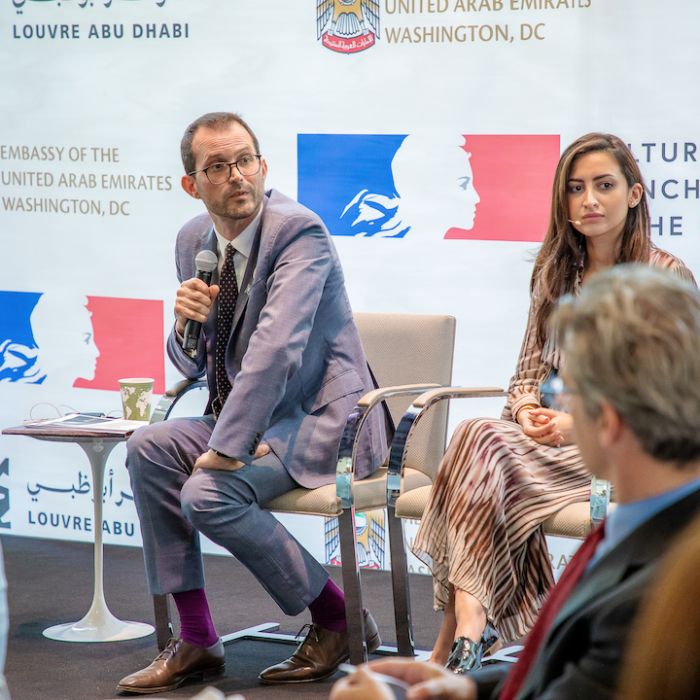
x: 99, y: 625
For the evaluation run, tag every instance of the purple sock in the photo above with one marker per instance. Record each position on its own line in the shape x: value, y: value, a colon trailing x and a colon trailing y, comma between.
x: 328, y: 610
x: 196, y: 625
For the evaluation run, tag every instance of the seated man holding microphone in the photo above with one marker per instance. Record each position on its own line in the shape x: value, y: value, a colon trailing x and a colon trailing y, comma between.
x: 285, y: 366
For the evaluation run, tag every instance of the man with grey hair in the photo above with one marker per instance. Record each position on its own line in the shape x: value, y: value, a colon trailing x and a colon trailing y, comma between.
x: 632, y: 385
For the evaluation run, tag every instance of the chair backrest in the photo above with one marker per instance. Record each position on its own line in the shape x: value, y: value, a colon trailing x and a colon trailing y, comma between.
x: 412, y: 349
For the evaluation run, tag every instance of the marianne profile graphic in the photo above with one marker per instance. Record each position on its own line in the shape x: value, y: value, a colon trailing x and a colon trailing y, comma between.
x: 51, y: 343
x: 433, y: 192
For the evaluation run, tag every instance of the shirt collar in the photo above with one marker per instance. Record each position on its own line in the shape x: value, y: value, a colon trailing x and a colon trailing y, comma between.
x: 243, y: 242
x: 628, y: 516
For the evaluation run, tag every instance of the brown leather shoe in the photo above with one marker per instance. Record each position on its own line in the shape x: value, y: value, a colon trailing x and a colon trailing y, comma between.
x: 319, y: 655
x: 179, y: 661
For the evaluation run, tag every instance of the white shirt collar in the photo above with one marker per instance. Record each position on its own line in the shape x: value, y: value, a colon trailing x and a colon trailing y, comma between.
x: 243, y: 242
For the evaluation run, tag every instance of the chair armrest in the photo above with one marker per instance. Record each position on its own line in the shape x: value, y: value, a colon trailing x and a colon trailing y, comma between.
x: 172, y: 395
x: 409, y: 421
x: 427, y: 399
x: 350, y: 438
x: 601, y: 492
x: 369, y: 400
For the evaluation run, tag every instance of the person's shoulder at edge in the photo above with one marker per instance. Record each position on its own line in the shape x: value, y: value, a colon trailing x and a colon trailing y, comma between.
x: 664, y: 259
x: 197, y: 224
x: 285, y: 209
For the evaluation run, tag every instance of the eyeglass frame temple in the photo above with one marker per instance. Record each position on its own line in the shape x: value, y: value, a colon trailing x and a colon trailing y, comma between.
x: 230, y: 166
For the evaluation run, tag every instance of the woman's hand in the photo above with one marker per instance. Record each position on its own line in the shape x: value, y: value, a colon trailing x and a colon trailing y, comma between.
x: 547, y: 426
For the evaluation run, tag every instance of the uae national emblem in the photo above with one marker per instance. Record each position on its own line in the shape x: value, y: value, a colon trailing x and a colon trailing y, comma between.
x: 370, y: 537
x: 347, y: 26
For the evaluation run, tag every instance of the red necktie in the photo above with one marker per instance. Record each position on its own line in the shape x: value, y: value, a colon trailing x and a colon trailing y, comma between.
x: 226, y: 304
x: 558, y: 595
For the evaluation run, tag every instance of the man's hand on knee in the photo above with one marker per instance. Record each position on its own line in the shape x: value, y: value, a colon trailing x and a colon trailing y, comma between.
x: 262, y: 450
x: 212, y: 460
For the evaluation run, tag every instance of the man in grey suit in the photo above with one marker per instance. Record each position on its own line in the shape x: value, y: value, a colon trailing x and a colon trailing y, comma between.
x: 285, y: 367
x: 632, y: 385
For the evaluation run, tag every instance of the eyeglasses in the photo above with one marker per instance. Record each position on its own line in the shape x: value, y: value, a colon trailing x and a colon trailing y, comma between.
x: 554, y: 394
x: 218, y: 173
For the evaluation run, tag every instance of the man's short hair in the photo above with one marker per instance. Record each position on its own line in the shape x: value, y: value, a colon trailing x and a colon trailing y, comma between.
x: 632, y: 338
x: 211, y: 120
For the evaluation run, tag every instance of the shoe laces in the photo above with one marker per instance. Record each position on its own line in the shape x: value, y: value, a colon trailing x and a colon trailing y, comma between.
x: 311, y: 629
x: 170, y: 649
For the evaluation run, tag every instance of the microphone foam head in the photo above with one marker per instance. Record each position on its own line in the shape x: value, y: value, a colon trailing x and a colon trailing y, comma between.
x: 206, y: 261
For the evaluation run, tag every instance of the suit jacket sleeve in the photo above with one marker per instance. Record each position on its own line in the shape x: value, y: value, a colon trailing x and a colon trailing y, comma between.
x: 530, y: 370
x: 187, y: 366
x: 295, y: 285
x: 594, y: 674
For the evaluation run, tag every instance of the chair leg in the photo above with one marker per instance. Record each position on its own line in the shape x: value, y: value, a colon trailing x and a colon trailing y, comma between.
x: 399, y: 583
x: 352, y: 586
x: 164, y: 627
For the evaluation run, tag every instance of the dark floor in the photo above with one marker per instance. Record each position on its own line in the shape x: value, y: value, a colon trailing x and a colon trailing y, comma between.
x: 52, y: 582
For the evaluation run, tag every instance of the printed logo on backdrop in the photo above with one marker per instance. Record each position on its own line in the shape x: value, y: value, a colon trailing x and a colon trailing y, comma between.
x: 347, y: 26
x: 371, y: 538
x: 104, y: 30
x: 19, y: 5
x: 62, y: 339
x: 435, y: 185
x: 671, y: 175
x: 63, y: 502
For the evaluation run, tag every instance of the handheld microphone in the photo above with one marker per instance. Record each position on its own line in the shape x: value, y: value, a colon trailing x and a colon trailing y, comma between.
x: 205, y: 262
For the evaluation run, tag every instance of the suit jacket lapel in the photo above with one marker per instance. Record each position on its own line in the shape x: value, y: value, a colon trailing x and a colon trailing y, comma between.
x: 646, y: 543
x: 242, y: 300
x: 211, y: 244
x: 604, y: 575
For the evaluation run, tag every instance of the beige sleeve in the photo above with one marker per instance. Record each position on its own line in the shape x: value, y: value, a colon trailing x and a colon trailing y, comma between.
x: 530, y: 371
x: 660, y: 258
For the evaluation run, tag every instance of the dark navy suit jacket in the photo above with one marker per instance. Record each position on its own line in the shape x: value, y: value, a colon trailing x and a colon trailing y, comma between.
x: 582, y: 654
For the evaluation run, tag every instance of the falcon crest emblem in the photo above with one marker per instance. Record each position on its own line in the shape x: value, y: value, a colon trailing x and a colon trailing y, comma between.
x: 347, y: 26
x: 370, y: 531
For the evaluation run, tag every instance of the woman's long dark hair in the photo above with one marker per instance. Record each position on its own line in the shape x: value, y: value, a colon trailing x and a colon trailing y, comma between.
x: 563, y: 251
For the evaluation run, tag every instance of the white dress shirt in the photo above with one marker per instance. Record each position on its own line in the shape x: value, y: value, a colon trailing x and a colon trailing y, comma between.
x: 243, y: 243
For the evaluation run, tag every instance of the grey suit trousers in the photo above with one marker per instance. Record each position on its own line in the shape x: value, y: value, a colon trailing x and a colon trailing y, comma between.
x: 174, y: 505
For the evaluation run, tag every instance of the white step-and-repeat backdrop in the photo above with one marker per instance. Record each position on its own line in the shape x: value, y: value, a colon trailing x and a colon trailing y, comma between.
x: 424, y: 132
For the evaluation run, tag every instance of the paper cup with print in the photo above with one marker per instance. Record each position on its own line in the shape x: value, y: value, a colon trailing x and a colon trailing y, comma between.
x: 137, y: 393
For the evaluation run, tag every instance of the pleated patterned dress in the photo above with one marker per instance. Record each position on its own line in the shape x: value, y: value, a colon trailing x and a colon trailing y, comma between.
x: 482, y: 529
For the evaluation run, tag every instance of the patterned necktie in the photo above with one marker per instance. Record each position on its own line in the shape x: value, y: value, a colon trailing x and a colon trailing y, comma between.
x: 226, y: 305
x: 557, y: 597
